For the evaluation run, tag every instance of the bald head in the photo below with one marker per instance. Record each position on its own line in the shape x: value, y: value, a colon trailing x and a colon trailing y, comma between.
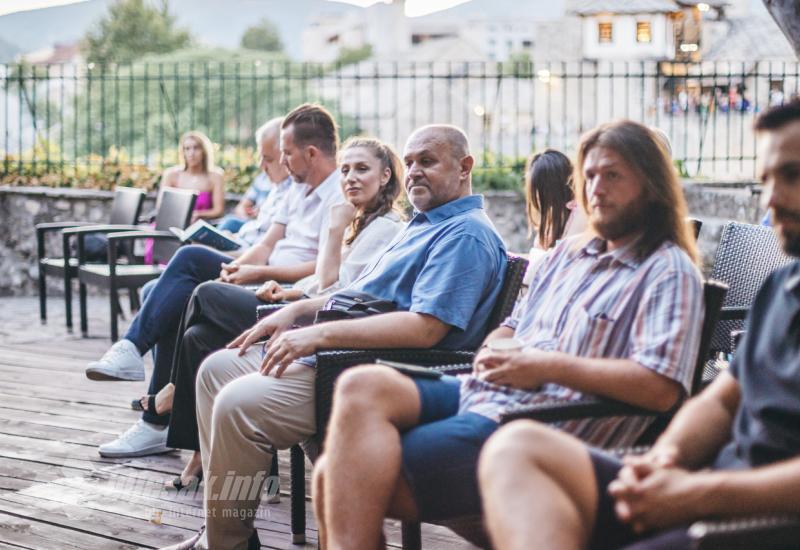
x: 447, y: 135
x: 438, y: 165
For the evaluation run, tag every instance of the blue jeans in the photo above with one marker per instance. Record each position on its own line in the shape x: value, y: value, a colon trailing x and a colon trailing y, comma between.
x: 158, y: 321
x: 231, y: 223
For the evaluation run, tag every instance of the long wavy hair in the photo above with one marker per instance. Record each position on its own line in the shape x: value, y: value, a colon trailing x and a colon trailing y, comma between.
x: 387, y: 199
x: 548, y: 189
x: 664, y: 202
x: 205, y: 145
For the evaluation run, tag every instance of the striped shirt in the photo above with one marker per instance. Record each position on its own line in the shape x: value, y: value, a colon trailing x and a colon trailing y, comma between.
x: 588, y: 302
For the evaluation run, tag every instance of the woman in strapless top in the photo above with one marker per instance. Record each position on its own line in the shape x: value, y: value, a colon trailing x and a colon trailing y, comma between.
x: 196, y: 173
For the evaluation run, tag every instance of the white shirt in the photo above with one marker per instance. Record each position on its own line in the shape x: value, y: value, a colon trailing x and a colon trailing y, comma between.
x: 355, y: 257
x: 304, y: 214
x: 252, y: 230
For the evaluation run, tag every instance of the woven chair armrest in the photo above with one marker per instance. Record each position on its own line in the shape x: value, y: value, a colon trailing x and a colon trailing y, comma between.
x: 587, y: 407
x: 750, y: 532
x: 422, y: 357
x: 457, y: 368
x: 266, y: 309
x: 142, y: 234
x: 100, y: 229
x: 733, y: 313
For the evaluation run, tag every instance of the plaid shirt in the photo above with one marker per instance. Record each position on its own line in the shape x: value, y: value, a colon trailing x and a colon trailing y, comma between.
x: 591, y: 303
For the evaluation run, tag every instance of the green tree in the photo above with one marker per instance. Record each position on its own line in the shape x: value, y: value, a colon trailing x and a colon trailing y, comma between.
x: 131, y: 29
x: 348, y: 56
x: 135, y: 111
x: 263, y: 36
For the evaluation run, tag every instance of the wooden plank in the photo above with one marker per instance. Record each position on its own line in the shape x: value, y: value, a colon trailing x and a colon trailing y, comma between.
x: 21, y: 532
x: 139, y: 532
x: 55, y: 489
x: 119, y: 399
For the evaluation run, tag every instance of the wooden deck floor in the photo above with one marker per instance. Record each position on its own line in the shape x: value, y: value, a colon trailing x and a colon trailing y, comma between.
x: 56, y: 491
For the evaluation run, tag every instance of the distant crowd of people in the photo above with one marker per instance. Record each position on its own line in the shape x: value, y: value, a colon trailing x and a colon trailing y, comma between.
x: 613, y: 308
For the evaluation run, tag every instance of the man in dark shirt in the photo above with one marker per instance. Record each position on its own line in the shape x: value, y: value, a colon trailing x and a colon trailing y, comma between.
x: 544, y: 489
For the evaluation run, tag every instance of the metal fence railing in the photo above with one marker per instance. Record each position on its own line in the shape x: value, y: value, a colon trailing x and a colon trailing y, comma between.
x: 56, y: 116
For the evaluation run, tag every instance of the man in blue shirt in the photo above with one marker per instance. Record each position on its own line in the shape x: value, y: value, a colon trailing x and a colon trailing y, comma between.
x: 444, y: 271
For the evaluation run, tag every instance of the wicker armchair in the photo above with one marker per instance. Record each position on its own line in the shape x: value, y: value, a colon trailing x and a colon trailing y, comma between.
x: 746, y: 255
x: 587, y: 407
x: 714, y: 293
x: 331, y: 363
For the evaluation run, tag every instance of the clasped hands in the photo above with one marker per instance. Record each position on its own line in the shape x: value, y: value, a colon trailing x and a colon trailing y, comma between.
x: 284, y: 344
x: 651, y: 492
x: 237, y: 274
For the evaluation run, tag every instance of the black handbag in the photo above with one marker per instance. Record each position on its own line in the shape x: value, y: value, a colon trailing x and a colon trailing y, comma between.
x: 351, y: 304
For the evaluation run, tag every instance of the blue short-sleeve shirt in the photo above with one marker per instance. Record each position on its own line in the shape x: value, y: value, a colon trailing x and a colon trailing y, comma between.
x: 448, y: 262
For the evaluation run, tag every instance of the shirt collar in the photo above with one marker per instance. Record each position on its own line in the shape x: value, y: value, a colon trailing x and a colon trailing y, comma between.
x: 450, y: 209
x: 329, y: 186
x: 284, y: 183
x: 625, y: 254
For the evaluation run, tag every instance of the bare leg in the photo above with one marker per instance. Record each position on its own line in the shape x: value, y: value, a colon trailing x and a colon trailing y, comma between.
x: 163, y: 399
x: 193, y: 469
x: 402, y: 503
x: 362, y: 469
x: 538, y: 488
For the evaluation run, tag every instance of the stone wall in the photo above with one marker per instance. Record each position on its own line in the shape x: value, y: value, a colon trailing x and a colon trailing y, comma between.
x: 21, y: 208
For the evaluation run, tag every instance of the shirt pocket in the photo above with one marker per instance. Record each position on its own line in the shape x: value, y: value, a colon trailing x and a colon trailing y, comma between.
x: 588, y: 333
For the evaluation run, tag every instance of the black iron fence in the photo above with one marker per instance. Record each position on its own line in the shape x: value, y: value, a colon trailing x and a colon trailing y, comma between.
x: 59, y: 116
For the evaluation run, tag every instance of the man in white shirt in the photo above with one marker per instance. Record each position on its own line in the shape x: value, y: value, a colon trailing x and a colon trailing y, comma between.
x: 287, y: 252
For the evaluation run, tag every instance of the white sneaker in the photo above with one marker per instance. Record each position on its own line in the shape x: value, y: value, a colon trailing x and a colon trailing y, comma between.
x: 141, y: 439
x: 121, y: 362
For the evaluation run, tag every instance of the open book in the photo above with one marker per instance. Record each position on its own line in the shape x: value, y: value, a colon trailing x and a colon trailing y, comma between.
x: 202, y: 232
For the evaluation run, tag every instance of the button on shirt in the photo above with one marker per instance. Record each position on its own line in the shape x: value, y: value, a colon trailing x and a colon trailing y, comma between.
x: 448, y: 262
x: 767, y: 366
x: 587, y: 302
x: 253, y: 230
x: 304, y: 214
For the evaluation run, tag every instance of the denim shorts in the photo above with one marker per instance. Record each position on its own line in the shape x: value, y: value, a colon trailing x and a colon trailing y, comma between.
x: 440, y: 455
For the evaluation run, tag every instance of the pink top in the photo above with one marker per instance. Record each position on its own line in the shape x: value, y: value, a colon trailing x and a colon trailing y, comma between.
x: 205, y: 200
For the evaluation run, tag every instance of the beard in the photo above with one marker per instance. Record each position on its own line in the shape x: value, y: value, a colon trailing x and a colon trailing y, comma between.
x: 789, y: 238
x: 627, y: 219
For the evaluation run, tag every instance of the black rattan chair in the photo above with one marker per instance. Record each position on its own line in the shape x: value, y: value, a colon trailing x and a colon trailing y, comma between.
x: 587, y: 407
x: 125, y: 210
x: 175, y: 210
x: 331, y: 363
x: 714, y: 293
x: 762, y: 532
x: 746, y: 255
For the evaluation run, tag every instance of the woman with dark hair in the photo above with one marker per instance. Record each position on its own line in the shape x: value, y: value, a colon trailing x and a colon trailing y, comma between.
x: 360, y: 227
x: 550, y: 202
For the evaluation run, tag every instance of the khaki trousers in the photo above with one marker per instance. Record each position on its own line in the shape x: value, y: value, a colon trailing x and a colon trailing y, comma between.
x: 242, y: 418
